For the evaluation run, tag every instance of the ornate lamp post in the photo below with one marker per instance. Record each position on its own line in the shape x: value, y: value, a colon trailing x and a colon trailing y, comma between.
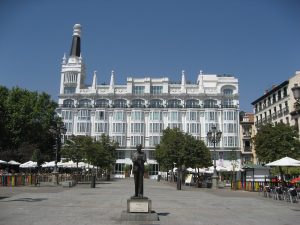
x: 214, y: 137
x: 57, y: 131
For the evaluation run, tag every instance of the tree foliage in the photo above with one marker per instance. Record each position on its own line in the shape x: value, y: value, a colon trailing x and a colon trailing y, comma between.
x: 103, y: 153
x: 274, y: 141
x: 182, y: 149
x: 100, y: 153
x: 197, y: 153
x: 25, y: 120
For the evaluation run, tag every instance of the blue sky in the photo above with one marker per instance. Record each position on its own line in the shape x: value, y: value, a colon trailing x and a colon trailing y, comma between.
x: 258, y: 41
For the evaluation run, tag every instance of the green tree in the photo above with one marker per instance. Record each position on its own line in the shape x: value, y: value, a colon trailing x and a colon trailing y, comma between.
x: 197, y: 154
x: 171, y: 148
x: 102, y: 153
x: 75, y: 148
x: 4, y: 92
x: 274, y: 141
x: 173, y: 142
x: 25, y: 120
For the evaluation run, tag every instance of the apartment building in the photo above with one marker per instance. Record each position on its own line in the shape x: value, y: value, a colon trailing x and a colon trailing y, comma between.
x: 138, y: 111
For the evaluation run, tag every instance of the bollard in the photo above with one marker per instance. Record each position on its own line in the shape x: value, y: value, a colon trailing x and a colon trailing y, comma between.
x: 93, y: 181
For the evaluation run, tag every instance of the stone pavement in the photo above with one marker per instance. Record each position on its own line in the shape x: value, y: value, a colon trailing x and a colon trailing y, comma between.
x: 104, y: 204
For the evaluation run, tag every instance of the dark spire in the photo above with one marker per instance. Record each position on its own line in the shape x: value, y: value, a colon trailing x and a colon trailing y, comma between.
x: 75, y: 48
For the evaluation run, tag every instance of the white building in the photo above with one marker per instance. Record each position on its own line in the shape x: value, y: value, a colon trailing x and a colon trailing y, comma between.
x: 138, y: 111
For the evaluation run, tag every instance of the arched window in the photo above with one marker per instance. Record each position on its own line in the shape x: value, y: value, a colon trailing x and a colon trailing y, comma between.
x: 68, y: 103
x: 138, y: 103
x: 192, y: 103
x: 120, y: 103
x: 156, y: 103
x: 210, y: 103
x: 85, y: 103
x: 227, y: 91
x: 101, y: 103
x: 174, y: 103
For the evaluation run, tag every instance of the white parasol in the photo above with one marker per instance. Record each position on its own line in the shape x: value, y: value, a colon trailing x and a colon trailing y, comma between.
x: 286, y: 161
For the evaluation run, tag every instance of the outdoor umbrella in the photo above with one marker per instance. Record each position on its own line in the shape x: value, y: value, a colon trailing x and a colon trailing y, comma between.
x: 13, y: 162
x: 286, y: 161
x: 29, y: 164
x: 3, y: 162
x: 295, y: 180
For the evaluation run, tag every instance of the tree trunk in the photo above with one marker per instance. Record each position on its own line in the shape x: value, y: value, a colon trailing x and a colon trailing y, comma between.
x: 179, y: 178
x: 281, y: 176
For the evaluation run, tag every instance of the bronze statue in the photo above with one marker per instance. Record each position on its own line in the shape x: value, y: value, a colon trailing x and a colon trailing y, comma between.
x: 138, y: 159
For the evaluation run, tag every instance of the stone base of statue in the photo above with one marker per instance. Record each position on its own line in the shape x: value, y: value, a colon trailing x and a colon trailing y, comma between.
x: 139, y: 209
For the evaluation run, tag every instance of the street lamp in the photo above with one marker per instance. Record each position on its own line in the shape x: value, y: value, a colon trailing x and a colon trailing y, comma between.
x: 57, y: 131
x: 214, y: 137
x: 296, y: 93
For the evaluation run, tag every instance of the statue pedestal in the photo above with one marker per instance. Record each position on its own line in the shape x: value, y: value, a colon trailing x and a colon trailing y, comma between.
x: 139, y: 209
x: 139, y: 205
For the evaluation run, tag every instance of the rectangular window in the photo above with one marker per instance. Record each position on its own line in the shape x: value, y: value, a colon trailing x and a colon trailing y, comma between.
x: 229, y: 115
x: 119, y: 127
x: 230, y: 141
x: 137, y: 127
x: 174, y: 116
x: 156, y: 89
x: 100, y: 115
x: 137, y: 115
x: 101, y: 127
x: 120, y: 139
x: 208, y: 126
x: 230, y: 128
x: 151, y: 154
x: 156, y: 127
x: 211, y: 116
x: 120, y: 154
x: 153, y: 169
x: 175, y: 125
x: 83, y: 127
x: 138, y: 90
x: 119, y: 116
x: 67, y: 115
x: 69, y: 127
x: 193, y: 128
x: 84, y: 114
x: 119, y: 168
x: 69, y: 90
x: 156, y: 115
x: 154, y: 140
x: 136, y: 140
x: 193, y: 116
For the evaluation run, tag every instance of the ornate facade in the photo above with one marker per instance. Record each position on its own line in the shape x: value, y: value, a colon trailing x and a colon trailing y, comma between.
x: 137, y: 112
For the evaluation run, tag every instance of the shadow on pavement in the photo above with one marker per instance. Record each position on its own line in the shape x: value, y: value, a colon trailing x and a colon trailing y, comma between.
x: 27, y: 200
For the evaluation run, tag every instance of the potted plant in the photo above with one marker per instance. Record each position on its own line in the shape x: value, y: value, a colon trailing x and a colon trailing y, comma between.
x: 127, y: 169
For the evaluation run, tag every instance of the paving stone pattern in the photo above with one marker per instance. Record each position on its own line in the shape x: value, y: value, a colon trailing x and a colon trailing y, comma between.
x: 104, y: 204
